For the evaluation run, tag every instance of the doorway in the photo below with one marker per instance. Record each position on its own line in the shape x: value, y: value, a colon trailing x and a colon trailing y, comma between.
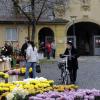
x: 45, y: 35
x: 85, y: 32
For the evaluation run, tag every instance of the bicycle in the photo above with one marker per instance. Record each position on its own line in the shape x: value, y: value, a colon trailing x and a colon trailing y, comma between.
x: 65, y: 76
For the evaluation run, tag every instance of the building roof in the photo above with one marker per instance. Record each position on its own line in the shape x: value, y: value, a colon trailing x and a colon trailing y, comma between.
x: 7, y: 14
x: 23, y: 20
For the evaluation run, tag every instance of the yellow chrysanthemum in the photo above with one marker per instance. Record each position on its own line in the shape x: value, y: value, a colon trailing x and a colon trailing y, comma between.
x: 30, y: 70
x: 6, y: 76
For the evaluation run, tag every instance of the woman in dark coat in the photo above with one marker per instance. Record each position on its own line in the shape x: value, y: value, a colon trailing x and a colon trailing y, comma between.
x: 72, y: 61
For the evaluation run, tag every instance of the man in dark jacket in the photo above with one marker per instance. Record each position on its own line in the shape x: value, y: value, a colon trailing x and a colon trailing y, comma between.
x: 24, y: 47
x: 72, y: 61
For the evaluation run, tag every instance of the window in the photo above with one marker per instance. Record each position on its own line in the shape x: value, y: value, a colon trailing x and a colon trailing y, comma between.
x: 11, y: 34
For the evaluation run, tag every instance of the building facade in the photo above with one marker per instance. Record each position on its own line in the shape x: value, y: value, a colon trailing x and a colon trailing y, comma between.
x: 84, y: 25
x: 76, y: 20
x: 14, y: 25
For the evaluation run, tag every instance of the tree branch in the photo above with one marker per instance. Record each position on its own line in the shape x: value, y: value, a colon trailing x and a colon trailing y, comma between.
x: 16, y: 5
x: 41, y: 12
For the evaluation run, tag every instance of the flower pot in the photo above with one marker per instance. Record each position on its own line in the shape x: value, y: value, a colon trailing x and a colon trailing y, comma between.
x: 97, y: 98
x: 7, y: 65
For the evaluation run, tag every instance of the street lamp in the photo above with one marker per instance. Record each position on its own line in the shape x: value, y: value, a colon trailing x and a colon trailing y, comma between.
x: 73, y: 18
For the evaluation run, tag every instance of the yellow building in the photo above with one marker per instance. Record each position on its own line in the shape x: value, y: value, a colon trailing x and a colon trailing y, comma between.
x: 83, y: 27
x: 15, y: 31
x: 77, y: 20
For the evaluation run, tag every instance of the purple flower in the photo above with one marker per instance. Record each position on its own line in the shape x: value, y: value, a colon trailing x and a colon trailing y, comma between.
x: 43, y: 96
x: 91, y: 98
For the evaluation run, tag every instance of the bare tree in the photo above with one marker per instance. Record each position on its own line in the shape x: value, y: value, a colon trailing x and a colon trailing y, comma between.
x: 38, y: 9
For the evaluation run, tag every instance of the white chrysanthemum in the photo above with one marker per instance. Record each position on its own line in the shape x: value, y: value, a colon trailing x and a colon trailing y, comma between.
x: 10, y: 59
x: 41, y: 79
x: 0, y: 59
x: 35, y: 79
x: 4, y: 59
x: 20, y: 92
x: 28, y: 80
x: 10, y: 96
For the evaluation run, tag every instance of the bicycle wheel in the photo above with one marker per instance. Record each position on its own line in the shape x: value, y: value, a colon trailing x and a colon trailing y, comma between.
x: 62, y: 77
x: 66, y: 79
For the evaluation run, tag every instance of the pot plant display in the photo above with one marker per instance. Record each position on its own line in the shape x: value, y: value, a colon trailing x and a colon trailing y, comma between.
x: 45, y: 89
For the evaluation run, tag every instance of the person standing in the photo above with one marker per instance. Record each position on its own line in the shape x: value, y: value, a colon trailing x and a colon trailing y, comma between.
x: 32, y: 58
x: 48, y: 49
x: 42, y: 49
x: 7, y: 50
x: 23, y: 52
x: 53, y: 47
x: 24, y: 47
x: 72, y: 61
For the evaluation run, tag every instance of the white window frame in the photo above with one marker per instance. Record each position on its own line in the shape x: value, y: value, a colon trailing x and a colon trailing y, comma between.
x: 11, y: 39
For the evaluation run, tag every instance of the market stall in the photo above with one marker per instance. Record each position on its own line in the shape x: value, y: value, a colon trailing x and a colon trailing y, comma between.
x: 5, y: 63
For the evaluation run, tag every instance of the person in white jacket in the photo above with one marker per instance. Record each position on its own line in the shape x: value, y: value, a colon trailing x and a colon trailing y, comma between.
x: 32, y: 58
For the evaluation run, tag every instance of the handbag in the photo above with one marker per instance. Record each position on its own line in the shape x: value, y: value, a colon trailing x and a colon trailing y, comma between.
x: 38, y: 68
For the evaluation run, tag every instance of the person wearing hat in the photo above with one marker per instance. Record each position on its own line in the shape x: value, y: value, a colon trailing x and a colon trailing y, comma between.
x: 72, y: 61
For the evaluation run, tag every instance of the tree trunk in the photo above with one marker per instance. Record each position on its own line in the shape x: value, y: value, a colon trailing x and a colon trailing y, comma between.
x: 33, y: 30
x: 33, y: 19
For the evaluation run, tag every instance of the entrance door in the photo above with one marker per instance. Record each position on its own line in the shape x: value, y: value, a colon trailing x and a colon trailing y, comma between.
x: 49, y: 39
x: 73, y: 39
x: 97, y: 45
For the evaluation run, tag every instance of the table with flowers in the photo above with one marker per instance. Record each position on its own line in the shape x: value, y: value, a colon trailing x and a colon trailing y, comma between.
x: 5, y: 63
x: 13, y: 86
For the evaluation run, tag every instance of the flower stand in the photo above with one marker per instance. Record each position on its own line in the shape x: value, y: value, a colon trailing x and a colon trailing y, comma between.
x: 7, y: 65
x: 2, y: 80
x: 2, y: 66
x: 13, y: 78
x: 21, y: 77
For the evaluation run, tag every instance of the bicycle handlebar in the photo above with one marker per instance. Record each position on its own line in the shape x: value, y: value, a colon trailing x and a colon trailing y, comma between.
x: 63, y: 55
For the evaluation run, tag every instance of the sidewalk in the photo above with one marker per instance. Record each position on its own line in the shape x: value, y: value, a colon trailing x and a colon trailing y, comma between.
x: 88, y: 73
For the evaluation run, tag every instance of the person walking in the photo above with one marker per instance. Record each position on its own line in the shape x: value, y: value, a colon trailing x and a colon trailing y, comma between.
x: 72, y: 61
x: 32, y: 58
